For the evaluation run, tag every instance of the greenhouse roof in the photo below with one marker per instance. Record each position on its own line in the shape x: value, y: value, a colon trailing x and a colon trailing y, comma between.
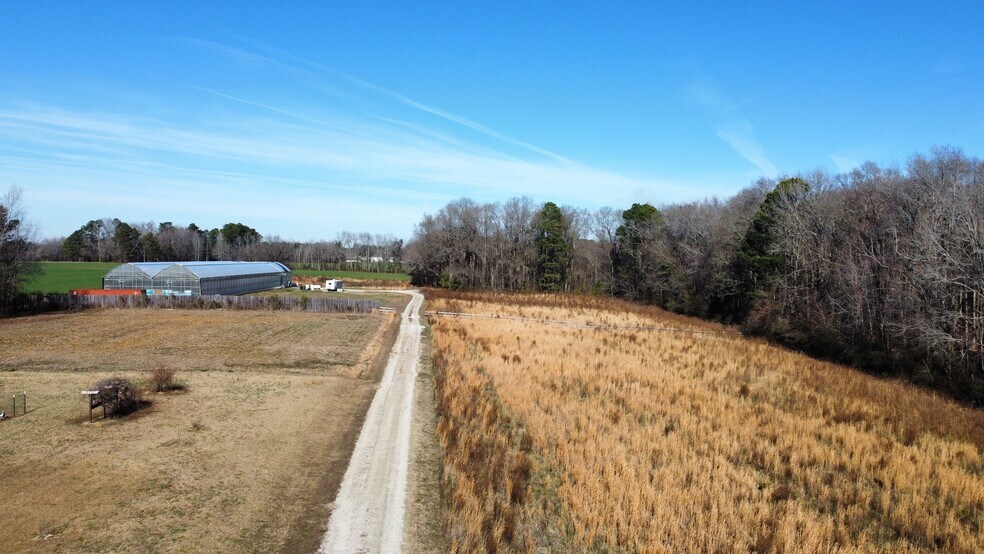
x: 204, y: 270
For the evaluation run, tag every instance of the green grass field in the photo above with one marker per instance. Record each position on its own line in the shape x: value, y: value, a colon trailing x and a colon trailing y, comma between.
x: 64, y: 276
x: 353, y: 275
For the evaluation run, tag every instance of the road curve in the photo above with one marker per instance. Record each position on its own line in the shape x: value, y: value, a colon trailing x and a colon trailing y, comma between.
x: 369, y: 509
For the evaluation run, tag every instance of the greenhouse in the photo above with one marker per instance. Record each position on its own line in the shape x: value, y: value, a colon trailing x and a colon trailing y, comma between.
x: 194, y: 278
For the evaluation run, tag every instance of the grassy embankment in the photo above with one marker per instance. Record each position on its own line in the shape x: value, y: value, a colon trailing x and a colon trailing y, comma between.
x: 640, y: 440
x: 245, y: 458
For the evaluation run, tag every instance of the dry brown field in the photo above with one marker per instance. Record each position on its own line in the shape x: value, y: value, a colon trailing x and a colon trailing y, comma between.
x: 246, y: 458
x: 668, y: 440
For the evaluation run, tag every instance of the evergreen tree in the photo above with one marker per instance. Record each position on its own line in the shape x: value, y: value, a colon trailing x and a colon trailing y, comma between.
x: 757, y: 261
x: 150, y: 247
x: 239, y: 234
x: 636, y: 271
x: 81, y: 245
x: 553, y: 251
x: 639, y: 220
x: 127, y: 240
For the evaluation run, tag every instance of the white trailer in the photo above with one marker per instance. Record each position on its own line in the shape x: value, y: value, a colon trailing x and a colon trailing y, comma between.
x: 333, y: 284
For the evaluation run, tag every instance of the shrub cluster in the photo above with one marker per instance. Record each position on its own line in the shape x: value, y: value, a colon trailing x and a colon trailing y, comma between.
x: 119, y: 396
x: 162, y: 378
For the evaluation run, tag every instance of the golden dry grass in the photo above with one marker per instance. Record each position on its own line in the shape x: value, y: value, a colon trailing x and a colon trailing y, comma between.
x: 245, y: 459
x: 655, y: 441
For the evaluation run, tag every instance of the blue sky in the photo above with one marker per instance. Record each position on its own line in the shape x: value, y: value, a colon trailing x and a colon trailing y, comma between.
x: 307, y: 119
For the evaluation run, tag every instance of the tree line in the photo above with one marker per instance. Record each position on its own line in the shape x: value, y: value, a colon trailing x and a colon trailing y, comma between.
x: 16, y: 233
x: 880, y: 267
x: 113, y: 240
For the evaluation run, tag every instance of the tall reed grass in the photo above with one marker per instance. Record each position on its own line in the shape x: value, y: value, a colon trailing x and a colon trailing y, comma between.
x: 622, y: 440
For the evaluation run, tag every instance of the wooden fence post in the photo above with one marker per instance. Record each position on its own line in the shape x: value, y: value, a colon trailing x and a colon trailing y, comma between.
x: 90, y: 396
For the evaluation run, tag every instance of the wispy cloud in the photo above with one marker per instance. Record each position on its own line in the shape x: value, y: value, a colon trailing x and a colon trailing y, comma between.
x: 280, y: 111
x: 732, y: 127
x: 241, y: 54
x: 747, y: 147
x: 375, y: 162
x: 306, y: 161
x: 238, y: 55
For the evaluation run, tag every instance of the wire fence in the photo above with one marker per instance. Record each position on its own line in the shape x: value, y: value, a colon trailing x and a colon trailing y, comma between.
x: 51, y: 302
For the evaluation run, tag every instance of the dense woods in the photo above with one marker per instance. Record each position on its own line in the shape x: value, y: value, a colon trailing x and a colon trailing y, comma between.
x: 881, y: 267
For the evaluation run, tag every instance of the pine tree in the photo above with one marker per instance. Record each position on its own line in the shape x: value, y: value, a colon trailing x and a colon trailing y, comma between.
x: 553, y: 251
x: 757, y: 261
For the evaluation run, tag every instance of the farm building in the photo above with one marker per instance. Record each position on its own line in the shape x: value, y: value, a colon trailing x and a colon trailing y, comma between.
x: 194, y: 278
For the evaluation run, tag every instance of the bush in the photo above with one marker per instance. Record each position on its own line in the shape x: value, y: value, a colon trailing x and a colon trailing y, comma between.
x: 162, y: 378
x: 119, y: 396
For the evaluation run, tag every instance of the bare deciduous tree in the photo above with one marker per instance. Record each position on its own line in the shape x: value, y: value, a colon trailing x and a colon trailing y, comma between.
x: 15, y: 244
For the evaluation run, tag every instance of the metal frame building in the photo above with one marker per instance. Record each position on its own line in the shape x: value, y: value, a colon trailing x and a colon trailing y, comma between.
x: 194, y: 278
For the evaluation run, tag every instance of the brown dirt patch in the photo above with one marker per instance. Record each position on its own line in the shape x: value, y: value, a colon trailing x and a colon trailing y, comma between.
x: 247, y: 459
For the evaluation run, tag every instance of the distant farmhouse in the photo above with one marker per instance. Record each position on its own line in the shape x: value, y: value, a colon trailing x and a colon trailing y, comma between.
x: 195, y: 278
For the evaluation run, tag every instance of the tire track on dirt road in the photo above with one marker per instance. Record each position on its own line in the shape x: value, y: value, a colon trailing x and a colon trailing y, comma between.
x: 369, y: 509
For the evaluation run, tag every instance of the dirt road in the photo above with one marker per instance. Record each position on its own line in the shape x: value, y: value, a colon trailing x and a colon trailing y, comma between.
x: 369, y: 510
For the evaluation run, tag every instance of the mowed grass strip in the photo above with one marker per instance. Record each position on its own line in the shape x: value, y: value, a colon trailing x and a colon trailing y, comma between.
x: 643, y: 441
x: 245, y: 459
x: 60, y: 277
